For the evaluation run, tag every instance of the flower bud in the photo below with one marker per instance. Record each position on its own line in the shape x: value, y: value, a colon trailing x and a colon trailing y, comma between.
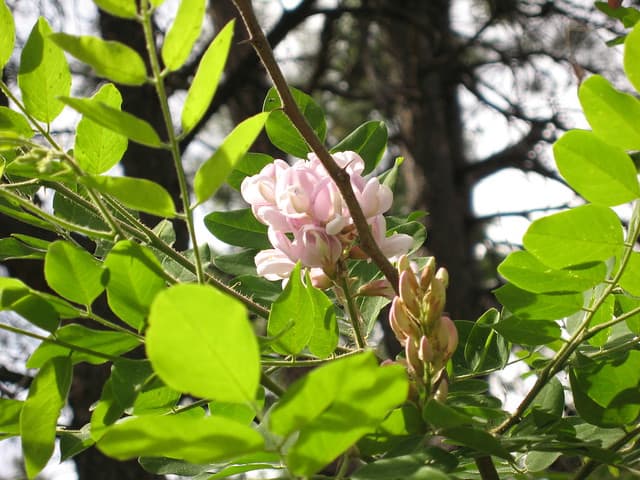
x: 427, y: 273
x: 377, y: 288
x: 425, y: 351
x: 413, y: 360
x: 448, y: 336
x: 409, y: 292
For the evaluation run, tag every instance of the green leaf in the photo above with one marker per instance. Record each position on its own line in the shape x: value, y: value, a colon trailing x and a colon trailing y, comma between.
x: 325, y: 334
x: 119, y: 8
x: 602, y: 173
x: 485, y: 348
x: 627, y: 304
x: 610, y: 113
x: 476, y: 439
x: 10, y: 416
x: 47, y: 395
x: 292, y: 317
x: 13, y: 122
x: 606, y: 393
x: 17, y: 297
x: 44, y: 74
x: 135, y: 277
x: 603, y: 314
x: 97, y: 149
x: 241, y: 263
x: 200, y: 341
x: 135, y: 193
x: 250, y: 164
x: 238, y: 227
x: 215, y: 170
x: 631, y: 55
x: 74, y: 273
x: 106, y: 342
x: 439, y: 415
x: 7, y: 34
x: 112, y: 60
x: 526, y: 331
x: 406, y: 467
x: 115, y: 120
x: 532, y: 306
x: 74, y: 442
x: 196, y: 440
x: 335, y: 405
x: 589, y: 233
x: 280, y: 129
x: 205, y: 82
x: 528, y: 273
x: 369, y: 141
x: 183, y: 33
x: 630, y: 279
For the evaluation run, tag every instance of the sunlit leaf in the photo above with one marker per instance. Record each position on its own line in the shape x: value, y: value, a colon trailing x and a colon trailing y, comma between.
x: 39, y: 416
x: 13, y: 122
x: 369, y: 141
x: 215, y: 170
x: 74, y: 273
x: 7, y: 34
x: 205, y: 83
x: 200, y: 341
x: 44, y: 74
x: 110, y: 59
x: 183, y: 33
x: 97, y: 149
x: 119, y: 8
x: 631, y: 55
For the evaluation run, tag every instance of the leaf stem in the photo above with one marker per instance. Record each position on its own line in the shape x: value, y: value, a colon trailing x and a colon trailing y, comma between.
x: 354, y: 314
x: 290, y: 108
x: 158, y: 81
x: 56, y: 341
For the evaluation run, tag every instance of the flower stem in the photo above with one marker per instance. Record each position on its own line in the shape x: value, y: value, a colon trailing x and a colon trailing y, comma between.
x: 290, y: 108
x: 354, y: 314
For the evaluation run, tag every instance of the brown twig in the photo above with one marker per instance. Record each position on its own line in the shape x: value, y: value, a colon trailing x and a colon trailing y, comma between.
x: 339, y: 176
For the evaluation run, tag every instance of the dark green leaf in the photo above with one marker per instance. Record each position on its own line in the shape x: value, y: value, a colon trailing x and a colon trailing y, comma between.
x: 44, y: 74
x: 249, y: 165
x: 407, y: 467
x: 281, y: 131
x: 292, y: 317
x: 485, y: 348
x: 238, y: 227
x: 369, y: 141
x: 478, y: 440
x: 439, y: 415
x: 532, y: 306
x: 526, y: 331
x: 241, y: 263
x: 112, y: 60
x: 115, y: 120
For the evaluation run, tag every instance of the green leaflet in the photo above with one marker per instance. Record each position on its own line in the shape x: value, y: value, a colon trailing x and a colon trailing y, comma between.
x: 74, y: 273
x: 39, y: 416
x: 602, y: 173
x: 97, y: 149
x: 119, y: 8
x: 205, y: 82
x: 183, y: 33
x: 369, y: 141
x: 590, y: 233
x: 215, y: 170
x: 135, y: 277
x: 281, y: 131
x: 112, y: 60
x: 7, y: 34
x: 44, y: 74
x: 333, y: 406
x: 200, y: 341
x: 135, y: 193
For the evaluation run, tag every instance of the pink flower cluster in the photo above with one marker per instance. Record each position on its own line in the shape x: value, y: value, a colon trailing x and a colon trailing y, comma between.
x: 308, y: 219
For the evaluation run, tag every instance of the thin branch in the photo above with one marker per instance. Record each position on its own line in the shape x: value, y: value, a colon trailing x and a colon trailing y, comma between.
x: 290, y: 108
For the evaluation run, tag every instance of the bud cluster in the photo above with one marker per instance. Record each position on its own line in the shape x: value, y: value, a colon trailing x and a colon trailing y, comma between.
x: 429, y: 338
x: 308, y: 219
